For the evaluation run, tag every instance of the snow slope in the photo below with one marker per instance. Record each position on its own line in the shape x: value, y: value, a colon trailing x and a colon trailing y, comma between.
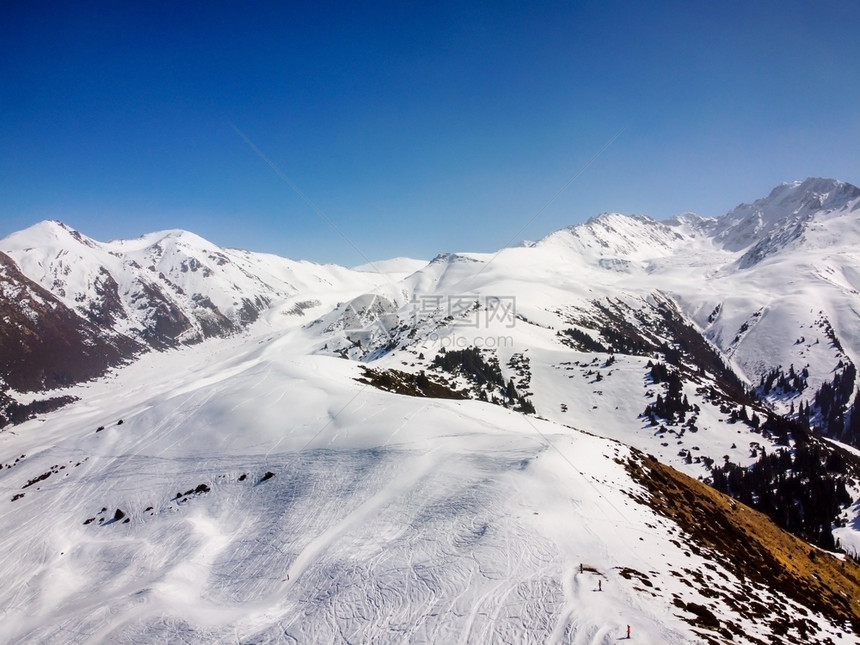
x: 386, y: 518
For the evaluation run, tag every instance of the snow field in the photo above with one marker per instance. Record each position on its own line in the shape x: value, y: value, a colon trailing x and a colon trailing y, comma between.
x: 404, y: 520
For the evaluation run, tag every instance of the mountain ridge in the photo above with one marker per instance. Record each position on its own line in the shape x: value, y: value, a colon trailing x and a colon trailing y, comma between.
x: 172, y: 287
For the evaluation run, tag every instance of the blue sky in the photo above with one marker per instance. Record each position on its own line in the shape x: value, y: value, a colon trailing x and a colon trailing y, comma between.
x: 416, y: 128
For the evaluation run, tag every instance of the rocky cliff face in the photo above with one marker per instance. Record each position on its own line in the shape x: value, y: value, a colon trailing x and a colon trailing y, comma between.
x: 43, y: 343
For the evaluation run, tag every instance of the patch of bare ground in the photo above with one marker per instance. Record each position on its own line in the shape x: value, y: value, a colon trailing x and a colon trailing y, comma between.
x: 751, y: 546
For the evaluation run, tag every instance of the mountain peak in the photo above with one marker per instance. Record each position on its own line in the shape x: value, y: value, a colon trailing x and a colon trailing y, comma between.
x: 813, y: 193
x: 791, y: 202
x: 618, y: 236
x: 49, y: 232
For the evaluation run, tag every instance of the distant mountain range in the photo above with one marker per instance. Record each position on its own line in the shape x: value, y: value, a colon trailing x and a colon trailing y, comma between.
x: 80, y: 306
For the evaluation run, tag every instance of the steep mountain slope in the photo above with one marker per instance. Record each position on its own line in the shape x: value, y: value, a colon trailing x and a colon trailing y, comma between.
x: 789, y: 295
x: 35, y: 326
x: 771, y: 284
x: 614, y: 237
x: 44, y: 345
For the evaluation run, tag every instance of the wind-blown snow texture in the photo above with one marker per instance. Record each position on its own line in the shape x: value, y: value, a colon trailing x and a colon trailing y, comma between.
x: 251, y: 488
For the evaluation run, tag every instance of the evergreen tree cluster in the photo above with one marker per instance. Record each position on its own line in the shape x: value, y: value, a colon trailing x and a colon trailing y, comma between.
x: 617, y: 334
x: 519, y: 401
x: 832, y: 399
x: 778, y: 382
x: 672, y: 407
x: 581, y: 341
x: 689, y: 344
x: 470, y: 363
x: 12, y: 412
x: 830, y: 333
x: 660, y: 373
x: 622, y: 336
x: 521, y: 365
x: 803, y: 490
x: 782, y: 429
x: 851, y: 432
x: 741, y: 414
x: 486, y: 375
x: 621, y: 341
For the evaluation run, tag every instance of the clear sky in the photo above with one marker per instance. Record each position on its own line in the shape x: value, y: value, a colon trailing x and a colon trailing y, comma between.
x: 416, y: 128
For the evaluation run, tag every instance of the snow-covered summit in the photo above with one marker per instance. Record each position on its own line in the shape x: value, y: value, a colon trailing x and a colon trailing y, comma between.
x: 613, y: 235
x: 47, y: 234
x: 788, y: 205
x: 175, y: 236
x: 401, y: 266
x: 795, y: 212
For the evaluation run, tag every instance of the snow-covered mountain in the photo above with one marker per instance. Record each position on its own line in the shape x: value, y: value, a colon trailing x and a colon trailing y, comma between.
x: 499, y: 457
x: 121, y: 298
x: 168, y: 287
x: 790, y: 206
